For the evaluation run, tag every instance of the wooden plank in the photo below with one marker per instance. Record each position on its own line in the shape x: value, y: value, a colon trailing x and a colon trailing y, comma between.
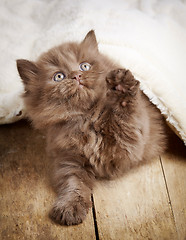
x: 135, y: 206
x: 25, y: 193
x: 174, y: 166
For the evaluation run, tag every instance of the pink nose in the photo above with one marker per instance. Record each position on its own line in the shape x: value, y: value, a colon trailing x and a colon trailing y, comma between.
x: 77, y: 77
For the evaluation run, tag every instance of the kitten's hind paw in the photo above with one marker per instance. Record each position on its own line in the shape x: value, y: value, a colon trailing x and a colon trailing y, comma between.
x: 122, y: 80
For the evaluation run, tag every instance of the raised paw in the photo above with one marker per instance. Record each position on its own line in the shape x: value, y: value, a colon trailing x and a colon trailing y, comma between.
x: 69, y: 213
x: 122, y: 80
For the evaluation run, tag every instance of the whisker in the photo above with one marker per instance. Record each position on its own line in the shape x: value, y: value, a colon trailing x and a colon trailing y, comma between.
x: 97, y: 72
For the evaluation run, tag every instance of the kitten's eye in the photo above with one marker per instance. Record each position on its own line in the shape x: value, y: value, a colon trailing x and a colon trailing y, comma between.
x: 59, y: 76
x: 84, y: 66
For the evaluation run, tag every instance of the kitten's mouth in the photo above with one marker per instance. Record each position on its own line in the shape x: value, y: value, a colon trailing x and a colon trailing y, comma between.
x: 77, y: 78
x: 80, y: 82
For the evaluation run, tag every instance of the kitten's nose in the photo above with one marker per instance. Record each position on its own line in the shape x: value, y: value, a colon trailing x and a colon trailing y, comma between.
x: 76, y: 76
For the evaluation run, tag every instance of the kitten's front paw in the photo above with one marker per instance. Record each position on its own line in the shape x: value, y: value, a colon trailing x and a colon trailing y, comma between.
x: 69, y: 213
x: 122, y: 81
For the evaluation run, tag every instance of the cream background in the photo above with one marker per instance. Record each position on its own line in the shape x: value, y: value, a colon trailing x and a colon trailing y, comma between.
x: 146, y: 36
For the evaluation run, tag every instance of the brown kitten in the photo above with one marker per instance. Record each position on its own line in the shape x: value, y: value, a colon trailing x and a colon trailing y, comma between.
x: 98, y: 123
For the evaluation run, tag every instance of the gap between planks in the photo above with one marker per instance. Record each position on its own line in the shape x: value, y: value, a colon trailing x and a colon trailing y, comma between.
x: 168, y: 195
x: 94, y: 217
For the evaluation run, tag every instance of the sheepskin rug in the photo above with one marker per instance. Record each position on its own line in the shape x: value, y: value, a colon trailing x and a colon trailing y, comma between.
x: 146, y: 36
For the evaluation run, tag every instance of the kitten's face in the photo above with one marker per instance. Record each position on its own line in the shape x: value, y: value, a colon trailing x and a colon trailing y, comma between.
x: 66, y: 80
x: 73, y: 74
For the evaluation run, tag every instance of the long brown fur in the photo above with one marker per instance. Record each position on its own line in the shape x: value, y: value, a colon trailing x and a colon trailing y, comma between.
x: 98, y: 125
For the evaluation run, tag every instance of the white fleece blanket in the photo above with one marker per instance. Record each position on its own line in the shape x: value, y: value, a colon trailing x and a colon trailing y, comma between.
x: 146, y: 36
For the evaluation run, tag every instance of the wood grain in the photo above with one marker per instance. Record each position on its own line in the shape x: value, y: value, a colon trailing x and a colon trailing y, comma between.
x: 174, y: 167
x: 135, y: 207
x: 147, y: 203
x: 25, y: 194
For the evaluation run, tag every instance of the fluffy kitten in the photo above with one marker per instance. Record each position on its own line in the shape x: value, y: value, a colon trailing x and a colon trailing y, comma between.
x: 98, y: 123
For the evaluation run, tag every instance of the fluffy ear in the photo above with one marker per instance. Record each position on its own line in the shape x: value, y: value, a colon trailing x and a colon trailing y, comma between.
x: 90, y: 40
x: 26, y: 69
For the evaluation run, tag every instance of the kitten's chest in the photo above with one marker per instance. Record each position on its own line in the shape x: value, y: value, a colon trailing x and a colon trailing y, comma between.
x: 88, y: 140
x: 96, y: 143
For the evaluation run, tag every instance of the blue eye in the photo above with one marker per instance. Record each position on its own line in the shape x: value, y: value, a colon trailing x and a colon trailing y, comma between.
x: 58, y: 77
x: 84, y: 66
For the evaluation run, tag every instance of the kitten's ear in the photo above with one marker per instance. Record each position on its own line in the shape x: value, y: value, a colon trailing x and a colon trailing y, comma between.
x: 90, y: 40
x: 26, y: 69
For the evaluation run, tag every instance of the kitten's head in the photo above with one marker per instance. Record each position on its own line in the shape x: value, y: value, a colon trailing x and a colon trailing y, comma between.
x: 65, y: 81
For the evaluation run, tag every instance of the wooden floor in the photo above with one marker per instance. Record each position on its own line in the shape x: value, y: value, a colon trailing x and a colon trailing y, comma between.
x: 147, y: 203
